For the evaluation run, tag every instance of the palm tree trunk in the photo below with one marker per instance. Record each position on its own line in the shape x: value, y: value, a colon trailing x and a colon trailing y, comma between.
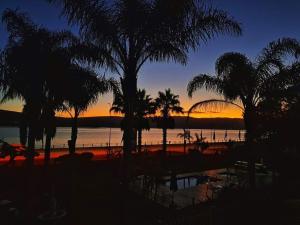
x: 165, y: 140
x: 250, y: 129
x: 32, y: 130
x: 34, y: 111
x: 129, y: 86
x: 47, y: 148
x: 139, y: 140
x: 23, y: 126
x: 74, y: 132
x: 31, y: 141
x: 23, y: 133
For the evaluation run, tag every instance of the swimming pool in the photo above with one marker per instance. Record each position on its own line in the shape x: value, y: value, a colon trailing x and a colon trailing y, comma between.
x: 183, y: 190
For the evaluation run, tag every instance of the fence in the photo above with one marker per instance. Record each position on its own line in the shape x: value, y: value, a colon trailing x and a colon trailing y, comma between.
x: 105, y: 145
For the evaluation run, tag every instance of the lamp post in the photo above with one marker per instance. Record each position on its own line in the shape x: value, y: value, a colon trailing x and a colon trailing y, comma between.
x: 109, y: 136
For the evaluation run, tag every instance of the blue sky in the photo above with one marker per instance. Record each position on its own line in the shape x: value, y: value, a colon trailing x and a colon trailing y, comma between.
x: 262, y: 21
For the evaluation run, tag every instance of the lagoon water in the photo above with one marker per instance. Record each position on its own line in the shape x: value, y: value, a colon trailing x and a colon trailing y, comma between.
x: 100, y: 136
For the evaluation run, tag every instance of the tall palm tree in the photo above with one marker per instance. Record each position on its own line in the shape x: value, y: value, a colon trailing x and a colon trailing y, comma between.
x: 167, y: 103
x: 40, y: 80
x: 128, y: 33
x: 145, y: 106
x: 53, y: 102
x: 238, y: 78
x: 25, y: 77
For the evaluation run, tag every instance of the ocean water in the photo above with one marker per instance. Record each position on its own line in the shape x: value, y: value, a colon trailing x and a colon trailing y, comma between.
x: 89, y: 137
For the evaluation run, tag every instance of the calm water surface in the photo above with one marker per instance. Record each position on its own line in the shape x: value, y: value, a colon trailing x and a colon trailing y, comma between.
x: 197, y: 187
x: 100, y: 136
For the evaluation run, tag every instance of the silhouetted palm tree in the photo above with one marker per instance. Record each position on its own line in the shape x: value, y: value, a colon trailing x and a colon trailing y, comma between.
x: 237, y: 78
x: 83, y: 90
x: 145, y: 107
x: 128, y: 33
x: 185, y: 135
x: 25, y: 77
x: 200, y: 142
x: 47, y: 79
x: 167, y: 103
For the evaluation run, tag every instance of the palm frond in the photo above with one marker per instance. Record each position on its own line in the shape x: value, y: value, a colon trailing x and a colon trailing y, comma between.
x: 162, y: 51
x: 212, y: 104
x: 90, y: 15
x: 271, y: 59
x: 280, y: 48
x: 146, y: 30
x: 167, y: 102
x: 229, y: 62
x: 212, y: 22
x: 204, y: 81
x: 17, y: 23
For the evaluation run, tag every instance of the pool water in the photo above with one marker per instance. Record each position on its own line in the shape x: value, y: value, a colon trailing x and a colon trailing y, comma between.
x: 183, y: 190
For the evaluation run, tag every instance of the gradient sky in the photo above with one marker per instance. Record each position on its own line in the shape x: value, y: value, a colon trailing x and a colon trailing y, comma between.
x: 262, y: 21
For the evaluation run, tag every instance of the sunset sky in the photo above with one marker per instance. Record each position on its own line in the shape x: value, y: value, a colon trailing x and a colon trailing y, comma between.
x: 262, y: 21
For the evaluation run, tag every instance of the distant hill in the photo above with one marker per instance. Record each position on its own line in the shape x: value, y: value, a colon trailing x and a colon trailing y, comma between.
x: 210, y: 123
x: 9, y: 118
x: 101, y: 121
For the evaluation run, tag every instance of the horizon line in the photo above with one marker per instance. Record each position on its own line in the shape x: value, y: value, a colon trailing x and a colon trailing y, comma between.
x: 66, y: 117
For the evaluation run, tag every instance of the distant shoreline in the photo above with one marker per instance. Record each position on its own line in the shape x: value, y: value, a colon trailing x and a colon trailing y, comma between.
x: 87, y: 127
x: 11, y: 119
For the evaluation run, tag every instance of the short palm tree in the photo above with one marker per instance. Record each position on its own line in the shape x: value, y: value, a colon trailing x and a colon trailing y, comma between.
x: 167, y: 103
x: 200, y: 142
x: 237, y: 78
x: 145, y: 107
x: 126, y: 34
x: 185, y: 135
x: 84, y: 88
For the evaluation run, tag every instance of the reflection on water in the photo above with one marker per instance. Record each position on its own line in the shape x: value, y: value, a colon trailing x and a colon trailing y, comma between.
x: 195, y: 188
x: 100, y: 136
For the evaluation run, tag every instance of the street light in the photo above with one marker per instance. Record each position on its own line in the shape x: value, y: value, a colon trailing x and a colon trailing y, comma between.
x: 109, y: 136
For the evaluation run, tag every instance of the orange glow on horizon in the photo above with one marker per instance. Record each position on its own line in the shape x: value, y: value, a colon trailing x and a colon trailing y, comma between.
x: 102, y: 109
x: 226, y: 113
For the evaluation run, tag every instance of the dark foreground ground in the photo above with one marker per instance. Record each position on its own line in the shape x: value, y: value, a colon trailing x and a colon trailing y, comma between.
x: 92, y: 192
